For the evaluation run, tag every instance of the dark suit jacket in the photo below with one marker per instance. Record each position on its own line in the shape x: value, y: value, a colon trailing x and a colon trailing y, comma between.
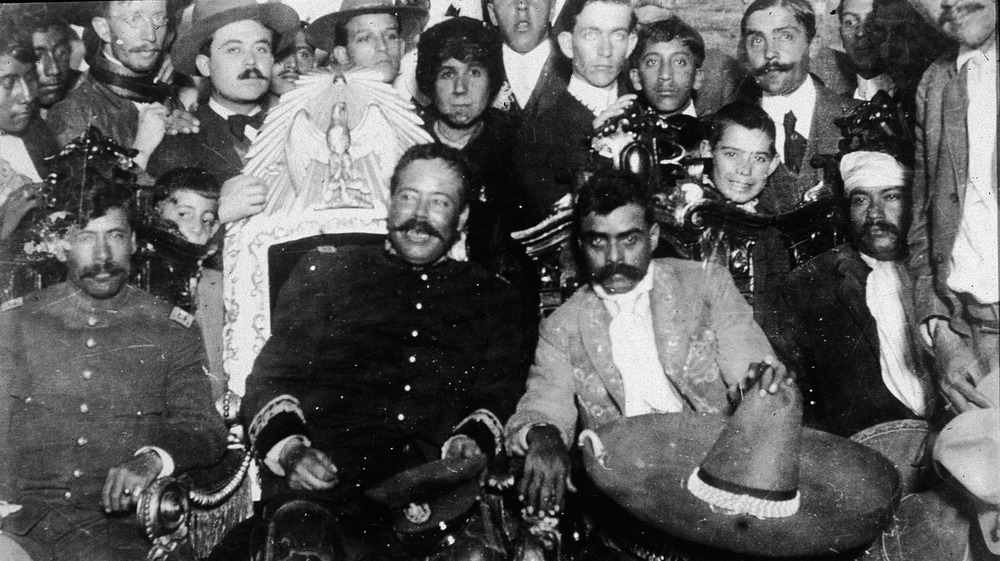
x: 939, y: 181
x: 40, y: 144
x: 835, y: 69
x: 93, y: 103
x: 213, y: 148
x: 828, y: 336
x: 785, y: 187
x: 551, y: 84
x: 723, y: 75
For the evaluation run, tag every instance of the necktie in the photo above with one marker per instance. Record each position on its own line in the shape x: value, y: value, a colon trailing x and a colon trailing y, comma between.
x: 795, y: 144
x: 238, y: 124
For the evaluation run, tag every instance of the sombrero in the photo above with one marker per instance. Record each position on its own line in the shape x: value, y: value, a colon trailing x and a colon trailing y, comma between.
x: 412, y: 16
x: 907, y: 443
x: 210, y: 15
x: 753, y: 483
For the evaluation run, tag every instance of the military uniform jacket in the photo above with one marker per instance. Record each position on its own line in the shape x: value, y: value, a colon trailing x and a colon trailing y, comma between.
x: 378, y: 362
x: 87, y: 383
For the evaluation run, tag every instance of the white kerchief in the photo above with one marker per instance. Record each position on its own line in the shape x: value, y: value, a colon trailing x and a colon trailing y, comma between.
x: 802, y: 102
x: 883, y: 295
x: 868, y: 87
x: 633, y: 350
x: 16, y: 167
x: 974, y: 257
x: 524, y: 70
x: 593, y: 98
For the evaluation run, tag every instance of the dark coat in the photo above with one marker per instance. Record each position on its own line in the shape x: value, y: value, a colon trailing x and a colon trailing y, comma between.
x: 722, y: 76
x: 214, y: 148
x: 835, y: 69
x: 551, y: 84
x: 86, y: 384
x: 378, y: 362
x: 939, y: 182
x: 93, y: 103
x: 40, y: 144
x: 828, y: 336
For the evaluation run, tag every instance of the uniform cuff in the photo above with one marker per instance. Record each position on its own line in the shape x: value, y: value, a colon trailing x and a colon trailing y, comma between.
x: 273, y: 458
x: 165, y: 459
x: 484, y: 428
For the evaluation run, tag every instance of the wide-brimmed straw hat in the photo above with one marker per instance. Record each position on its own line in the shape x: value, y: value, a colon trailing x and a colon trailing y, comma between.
x: 210, y: 15
x: 754, y: 483
x: 411, y: 14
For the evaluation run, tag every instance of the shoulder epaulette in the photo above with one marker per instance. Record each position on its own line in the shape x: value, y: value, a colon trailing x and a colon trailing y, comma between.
x: 180, y: 316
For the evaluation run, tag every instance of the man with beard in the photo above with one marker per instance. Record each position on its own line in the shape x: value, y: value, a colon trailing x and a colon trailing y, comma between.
x: 847, y: 314
x: 535, y: 70
x: 230, y: 43
x: 52, y: 39
x: 105, y: 390
x: 382, y: 358
x: 776, y: 35
x: 953, y: 241
x: 124, y: 93
x: 644, y: 336
x: 859, y: 71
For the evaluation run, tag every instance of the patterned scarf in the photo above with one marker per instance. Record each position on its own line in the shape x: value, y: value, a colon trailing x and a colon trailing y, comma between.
x: 134, y: 88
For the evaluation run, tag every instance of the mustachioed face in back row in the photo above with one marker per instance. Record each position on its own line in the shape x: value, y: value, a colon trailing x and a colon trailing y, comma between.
x: 135, y: 33
x: 240, y: 61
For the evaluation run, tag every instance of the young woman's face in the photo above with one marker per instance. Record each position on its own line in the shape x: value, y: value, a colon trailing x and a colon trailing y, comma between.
x: 195, y: 216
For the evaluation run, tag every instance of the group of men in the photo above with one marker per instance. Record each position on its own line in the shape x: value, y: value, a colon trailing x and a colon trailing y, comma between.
x: 384, y: 358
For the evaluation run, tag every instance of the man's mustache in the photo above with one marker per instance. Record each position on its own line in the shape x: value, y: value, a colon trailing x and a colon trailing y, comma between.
x: 421, y: 226
x: 251, y: 74
x: 112, y: 269
x: 952, y: 13
x: 878, y: 224
x: 628, y: 271
x: 773, y: 66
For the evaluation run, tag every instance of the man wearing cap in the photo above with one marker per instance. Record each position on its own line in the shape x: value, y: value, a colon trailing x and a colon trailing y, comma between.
x: 643, y: 336
x: 846, y: 316
x: 104, y: 391
x: 370, y: 34
x: 776, y: 37
x: 953, y: 241
x: 536, y: 71
x: 230, y: 43
x: 124, y: 94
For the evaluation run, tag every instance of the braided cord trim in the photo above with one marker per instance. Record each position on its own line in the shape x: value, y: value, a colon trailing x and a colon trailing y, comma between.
x: 741, y: 504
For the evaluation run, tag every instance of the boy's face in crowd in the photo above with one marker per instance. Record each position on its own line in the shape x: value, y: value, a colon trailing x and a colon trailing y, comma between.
x: 742, y: 160
x: 600, y: 42
x: 195, y: 215
x: 373, y: 42
x: 667, y: 76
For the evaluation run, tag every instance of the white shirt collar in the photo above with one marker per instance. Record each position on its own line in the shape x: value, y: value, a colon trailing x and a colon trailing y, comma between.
x: 524, y: 70
x: 868, y: 87
x: 593, y: 98
x: 689, y: 109
x: 988, y: 50
x: 643, y: 286
x: 801, y: 102
x: 227, y: 113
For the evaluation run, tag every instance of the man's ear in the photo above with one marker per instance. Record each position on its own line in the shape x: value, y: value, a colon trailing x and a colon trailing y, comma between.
x: 566, y: 44
x: 201, y: 62
x: 699, y: 79
x: 633, y: 40
x: 774, y: 165
x: 654, y: 236
x: 342, y: 58
x: 491, y: 11
x: 101, y: 26
x: 633, y: 76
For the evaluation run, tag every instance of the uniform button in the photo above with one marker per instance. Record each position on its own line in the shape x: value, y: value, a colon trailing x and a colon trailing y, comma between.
x: 27, y: 399
x: 84, y: 408
x: 91, y: 343
x: 413, y: 359
x: 420, y: 306
x: 87, y: 374
x: 68, y: 495
x: 92, y: 321
x: 406, y: 387
x: 82, y: 441
x: 414, y: 333
x: 423, y: 277
x: 77, y: 473
x: 400, y: 416
x: 138, y: 413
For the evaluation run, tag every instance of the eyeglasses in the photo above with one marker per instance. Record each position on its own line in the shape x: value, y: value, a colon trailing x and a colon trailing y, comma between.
x: 136, y: 20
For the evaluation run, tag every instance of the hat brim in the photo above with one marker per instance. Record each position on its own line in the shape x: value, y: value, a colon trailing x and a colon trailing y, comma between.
x: 412, y: 20
x: 847, y: 491
x: 277, y: 17
x: 903, y: 442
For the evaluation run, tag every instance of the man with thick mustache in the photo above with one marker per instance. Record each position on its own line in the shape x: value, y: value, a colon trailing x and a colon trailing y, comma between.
x: 383, y: 357
x: 847, y: 315
x: 953, y: 241
x: 776, y: 37
x: 124, y: 94
x: 644, y: 336
x: 104, y: 391
x: 230, y: 43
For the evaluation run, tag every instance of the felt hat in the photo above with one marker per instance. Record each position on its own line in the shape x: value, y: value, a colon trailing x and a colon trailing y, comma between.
x: 431, y: 499
x: 907, y: 444
x: 755, y: 483
x: 411, y: 14
x: 210, y: 15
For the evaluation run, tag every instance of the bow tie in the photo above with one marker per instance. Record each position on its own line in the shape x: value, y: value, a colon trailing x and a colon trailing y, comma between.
x: 238, y: 123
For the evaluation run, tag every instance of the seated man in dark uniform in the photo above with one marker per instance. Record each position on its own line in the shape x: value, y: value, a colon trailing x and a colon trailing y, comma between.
x: 383, y: 358
x: 104, y: 389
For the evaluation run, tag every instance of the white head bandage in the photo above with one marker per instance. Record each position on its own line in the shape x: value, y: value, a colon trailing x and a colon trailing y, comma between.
x: 872, y: 169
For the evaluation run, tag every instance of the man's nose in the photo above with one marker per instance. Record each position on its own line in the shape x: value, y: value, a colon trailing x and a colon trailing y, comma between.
x: 604, y: 46
x: 147, y: 31
x: 876, y: 210
x: 666, y: 72
x: 47, y: 65
x: 744, y: 167
x: 770, y: 49
x: 461, y: 85
x: 102, y: 251
x: 614, y: 253
x: 380, y: 43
